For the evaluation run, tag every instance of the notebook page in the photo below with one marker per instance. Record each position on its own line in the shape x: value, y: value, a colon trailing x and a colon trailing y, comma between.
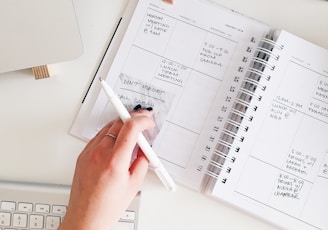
x: 191, y: 50
x: 281, y: 172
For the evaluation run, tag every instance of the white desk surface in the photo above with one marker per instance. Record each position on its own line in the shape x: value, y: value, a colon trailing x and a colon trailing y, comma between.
x: 36, y: 115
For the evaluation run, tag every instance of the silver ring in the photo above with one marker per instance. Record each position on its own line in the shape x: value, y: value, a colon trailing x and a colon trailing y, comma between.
x: 111, y: 135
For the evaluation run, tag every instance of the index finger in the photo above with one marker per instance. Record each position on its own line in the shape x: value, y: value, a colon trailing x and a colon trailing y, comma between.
x: 127, y: 138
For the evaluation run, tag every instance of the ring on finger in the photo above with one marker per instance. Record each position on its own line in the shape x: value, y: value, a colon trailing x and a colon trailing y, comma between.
x: 111, y: 135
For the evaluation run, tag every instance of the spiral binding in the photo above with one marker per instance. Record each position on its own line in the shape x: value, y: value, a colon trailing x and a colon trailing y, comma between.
x: 273, y: 43
x: 234, y: 127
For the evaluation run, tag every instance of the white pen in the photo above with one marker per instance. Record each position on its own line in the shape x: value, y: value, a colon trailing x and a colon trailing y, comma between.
x: 159, y: 169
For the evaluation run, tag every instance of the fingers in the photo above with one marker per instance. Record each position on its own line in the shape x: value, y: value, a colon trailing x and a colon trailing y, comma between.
x: 114, y: 131
x: 119, y: 150
x: 138, y: 169
x: 100, y: 135
x: 128, y: 136
x: 110, y: 136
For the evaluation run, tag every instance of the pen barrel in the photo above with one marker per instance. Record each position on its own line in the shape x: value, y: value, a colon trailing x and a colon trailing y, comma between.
x: 165, y: 178
x: 120, y: 108
x: 156, y: 163
x: 148, y: 151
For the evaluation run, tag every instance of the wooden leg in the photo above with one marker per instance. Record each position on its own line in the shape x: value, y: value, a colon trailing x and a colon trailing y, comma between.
x: 41, y: 72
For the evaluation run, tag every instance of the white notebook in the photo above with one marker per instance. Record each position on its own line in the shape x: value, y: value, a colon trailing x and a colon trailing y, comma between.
x: 245, y: 107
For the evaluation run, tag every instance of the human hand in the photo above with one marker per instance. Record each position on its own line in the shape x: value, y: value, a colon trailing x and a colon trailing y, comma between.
x: 105, y: 182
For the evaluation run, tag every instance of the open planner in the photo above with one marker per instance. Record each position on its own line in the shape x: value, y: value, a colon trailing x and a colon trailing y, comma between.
x: 242, y: 108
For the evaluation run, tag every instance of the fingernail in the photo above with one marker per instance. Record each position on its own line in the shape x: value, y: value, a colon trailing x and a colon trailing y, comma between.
x: 149, y: 109
x: 137, y: 107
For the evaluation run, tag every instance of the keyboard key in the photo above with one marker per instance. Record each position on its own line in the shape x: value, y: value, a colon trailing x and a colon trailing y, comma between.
x: 36, y: 221
x: 20, y: 220
x: 123, y: 226
x: 59, y: 209
x: 128, y: 215
x: 25, y: 207
x: 42, y: 208
x: 52, y: 222
x: 5, y: 218
x: 8, y: 205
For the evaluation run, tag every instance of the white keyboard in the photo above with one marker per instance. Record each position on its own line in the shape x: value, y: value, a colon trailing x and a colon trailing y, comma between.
x: 37, y: 206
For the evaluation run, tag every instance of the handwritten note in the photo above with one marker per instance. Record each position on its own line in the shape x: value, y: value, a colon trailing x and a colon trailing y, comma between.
x: 323, y: 172
x: 155, y: 25
x: 300, y: 163
x: 280, y: 111
x: 172, y: 72
x: 288, y: 186
x: 132, y: 92
x: 322, y: 90
x: 206, y: 52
